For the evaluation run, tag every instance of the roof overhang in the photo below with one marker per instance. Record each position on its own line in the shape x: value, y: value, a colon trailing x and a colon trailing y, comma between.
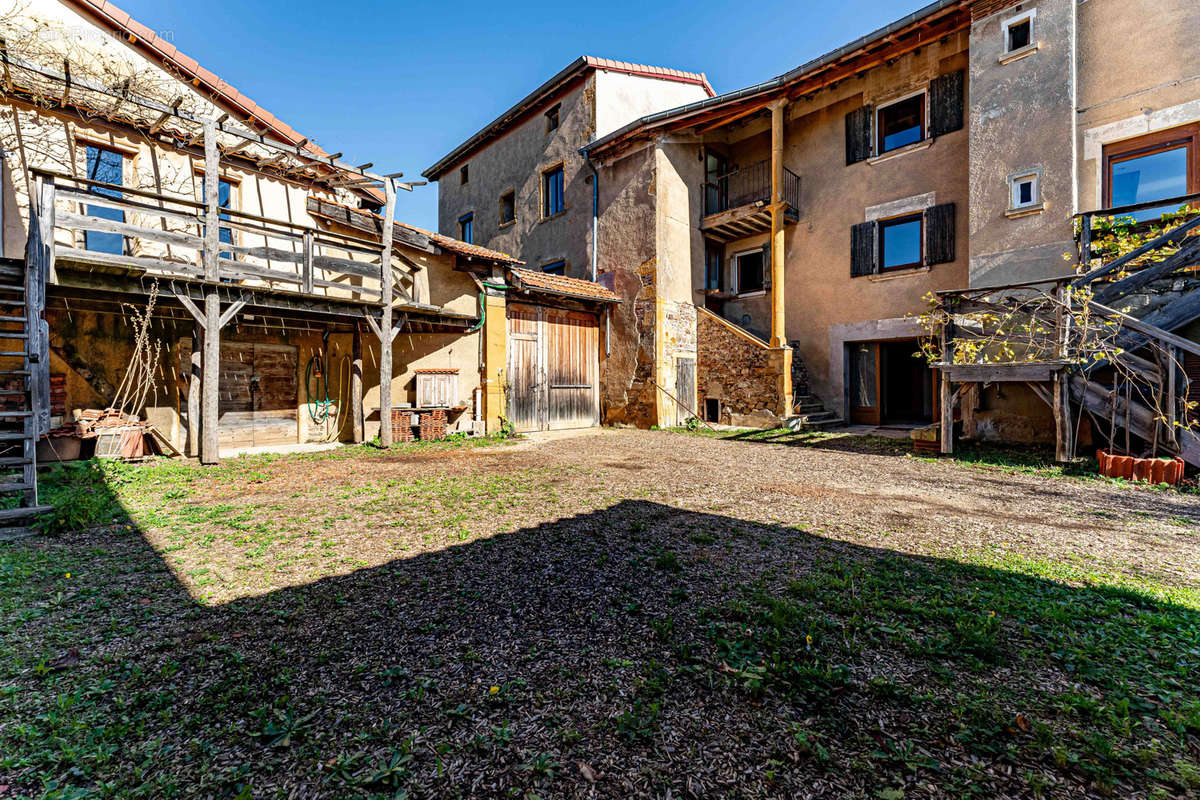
x: 924, y: 26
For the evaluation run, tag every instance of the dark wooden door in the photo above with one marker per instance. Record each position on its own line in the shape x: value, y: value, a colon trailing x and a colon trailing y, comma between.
x: 685, y: 389
x: 258, y: 399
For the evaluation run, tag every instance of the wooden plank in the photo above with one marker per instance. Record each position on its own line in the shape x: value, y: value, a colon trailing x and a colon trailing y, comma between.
x: 195, y: 370
x: 947, y: 408
x: 370, y: 224
x: 210, y: 400
x: 1187, y: 255
x: 128, y: 206
x: 356, y: 387
x: 130, y: 262
x: 306, y: 265
x: 385, y: 322
x: 1173, y: 236
x: 1000, y: 373
x: 88, y: 223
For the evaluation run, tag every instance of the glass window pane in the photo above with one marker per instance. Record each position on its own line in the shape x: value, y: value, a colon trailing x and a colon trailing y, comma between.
x: 901, y: 124
x: 105, y: 166
x: 862, y: 376
x: 750, y: 272
x: 1151, y: 177
x: 901, y: 245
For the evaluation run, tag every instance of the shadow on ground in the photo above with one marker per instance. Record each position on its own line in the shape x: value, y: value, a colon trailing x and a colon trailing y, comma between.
x: 636, y: 651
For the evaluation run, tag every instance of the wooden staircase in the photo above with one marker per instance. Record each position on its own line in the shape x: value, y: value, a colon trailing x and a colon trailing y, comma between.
x: 24, y: 395
x: 1150, y: 299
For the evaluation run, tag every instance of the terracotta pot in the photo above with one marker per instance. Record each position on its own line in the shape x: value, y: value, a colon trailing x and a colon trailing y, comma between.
x: 1150, y: 470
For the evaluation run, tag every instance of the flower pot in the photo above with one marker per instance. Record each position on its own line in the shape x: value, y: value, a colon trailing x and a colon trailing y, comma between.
x: 1148, y: 470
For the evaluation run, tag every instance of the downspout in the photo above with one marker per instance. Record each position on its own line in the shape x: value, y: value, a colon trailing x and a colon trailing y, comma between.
x: 595, y: 214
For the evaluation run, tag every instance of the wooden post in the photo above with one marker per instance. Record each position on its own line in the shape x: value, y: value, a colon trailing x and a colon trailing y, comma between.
x: 306, y: 269
x: 946, y: 395
x: 356, y: 387
x: 194, y: 389
x: 385, y: 324
x: 1064, y: 446
x: 778, y: 237
x: 211, y: 365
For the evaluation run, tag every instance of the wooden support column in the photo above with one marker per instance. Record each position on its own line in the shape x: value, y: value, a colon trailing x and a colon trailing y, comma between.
x: 946, y: 395
x: 385, y: 332
x: 194, y: 367
x: 778, y: 237
x: 495, y: 354
x: 209, y: 448
x: 356, y: 387
x: 1064, y: 444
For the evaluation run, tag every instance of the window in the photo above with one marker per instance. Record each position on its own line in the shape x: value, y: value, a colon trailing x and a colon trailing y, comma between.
x: 105, y: 166
x: 225, y: 192
x: 553, y: 201
x: 900, y: 124
x: 1018, y: 32
x: 466, y: 228
x: 555, y: 267
x: 552, y: 118
x: 900, y: 242
x: 464, y: 174
x: 1160, y: 166
x: 714, y: 256
x: 1025, y: 190
x: 508, y: 207
x: 748, y: 271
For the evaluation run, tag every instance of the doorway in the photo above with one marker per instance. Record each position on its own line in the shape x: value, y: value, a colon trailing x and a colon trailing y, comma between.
x: 553, y: 368
x: 890, y: 383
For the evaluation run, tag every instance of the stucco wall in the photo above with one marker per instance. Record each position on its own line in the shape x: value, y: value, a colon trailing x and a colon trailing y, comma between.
x: 1020, y: 120
x: 515, y: 162
x: 1134, y: 77
x: 622, y: 98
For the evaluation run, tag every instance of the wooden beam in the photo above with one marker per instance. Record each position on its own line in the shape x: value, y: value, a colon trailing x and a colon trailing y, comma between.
x: 211, y: 365
x: 356, y: 387
x: 385, y: 323
x: 187, y: 303
x: 230, y: 312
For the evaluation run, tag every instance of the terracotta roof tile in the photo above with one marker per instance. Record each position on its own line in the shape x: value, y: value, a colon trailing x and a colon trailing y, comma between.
x: 560, y: 284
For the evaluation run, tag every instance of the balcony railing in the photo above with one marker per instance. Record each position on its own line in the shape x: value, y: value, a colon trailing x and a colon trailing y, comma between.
x: 747, y: 185
x: 164, y: 235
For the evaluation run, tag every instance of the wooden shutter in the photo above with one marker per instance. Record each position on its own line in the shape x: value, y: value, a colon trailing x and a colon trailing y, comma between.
x: 946, y: 103
x: 862, y: 249
x: 939, y: 234
x: 858, y: 135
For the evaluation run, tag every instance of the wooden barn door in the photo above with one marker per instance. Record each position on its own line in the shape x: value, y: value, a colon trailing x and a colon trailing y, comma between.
x: 525, y: 410
x: 553, y: 368
x: 258, y: 399
x: 572, y: 371
x: 685, y: 390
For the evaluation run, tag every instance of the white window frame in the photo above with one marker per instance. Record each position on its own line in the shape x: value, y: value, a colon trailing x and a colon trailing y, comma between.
x: 879, y: 109
x: 736, y: 272
x: 1034, y: 176
x: 1031, y: 16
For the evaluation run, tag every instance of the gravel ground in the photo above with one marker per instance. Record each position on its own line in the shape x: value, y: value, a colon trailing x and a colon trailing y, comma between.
x: 609, y: 614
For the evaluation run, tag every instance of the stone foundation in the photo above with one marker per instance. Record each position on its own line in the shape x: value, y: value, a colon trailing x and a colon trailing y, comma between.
x: 739, y: 370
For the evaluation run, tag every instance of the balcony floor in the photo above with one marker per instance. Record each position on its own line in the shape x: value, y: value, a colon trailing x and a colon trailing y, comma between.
x: 743, y: 221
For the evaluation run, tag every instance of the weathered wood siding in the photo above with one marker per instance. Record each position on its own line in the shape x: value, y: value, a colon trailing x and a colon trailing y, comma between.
x: 259, y: 396
x: 553, y: 368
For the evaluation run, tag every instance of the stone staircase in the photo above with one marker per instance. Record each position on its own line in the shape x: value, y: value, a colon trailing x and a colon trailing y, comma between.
x: 810, y: 414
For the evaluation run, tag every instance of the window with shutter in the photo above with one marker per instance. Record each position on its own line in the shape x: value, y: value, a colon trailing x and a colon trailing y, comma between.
x: 946, y: 103
x: 862, y: 249
x: 939, y: 234
x: 858, y: 135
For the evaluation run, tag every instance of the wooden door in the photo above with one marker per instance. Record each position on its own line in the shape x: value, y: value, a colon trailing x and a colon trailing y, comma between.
x: 863, y: 361
x: 572, y: 338
x: 553, y: 368
x: 525, y: 407
x: 258, y: 398
x: 685, y: 390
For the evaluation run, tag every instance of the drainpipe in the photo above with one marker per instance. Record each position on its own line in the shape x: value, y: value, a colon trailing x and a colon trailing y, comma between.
x: 595, y: 214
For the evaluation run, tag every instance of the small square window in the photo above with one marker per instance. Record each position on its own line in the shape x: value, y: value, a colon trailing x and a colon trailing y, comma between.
x: 508, y: 207
x: 555, y: 267
x: 1024, y: 190
x: 900, y: 242
x: 748, y: 269
x: 552, y: 119
x: 1018, y: 32
x: 900, y: 124
x: 464, y: 174
x: 466, y: 228
x: 553, y: 198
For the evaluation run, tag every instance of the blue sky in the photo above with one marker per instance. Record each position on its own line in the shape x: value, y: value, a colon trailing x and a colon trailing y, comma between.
x: 401, y: 83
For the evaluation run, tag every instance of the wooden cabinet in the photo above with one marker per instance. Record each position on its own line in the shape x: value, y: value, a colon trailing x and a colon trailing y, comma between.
x: 437, y: 388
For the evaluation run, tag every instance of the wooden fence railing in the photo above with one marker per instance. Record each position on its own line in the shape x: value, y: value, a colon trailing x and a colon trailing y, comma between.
x: 165, y: 234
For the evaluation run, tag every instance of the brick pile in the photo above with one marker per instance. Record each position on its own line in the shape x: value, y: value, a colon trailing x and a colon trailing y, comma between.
x: 402, y: 427
x: 433, y: 425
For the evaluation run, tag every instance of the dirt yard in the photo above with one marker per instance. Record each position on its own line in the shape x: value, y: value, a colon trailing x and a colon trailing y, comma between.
x: 612, y: 614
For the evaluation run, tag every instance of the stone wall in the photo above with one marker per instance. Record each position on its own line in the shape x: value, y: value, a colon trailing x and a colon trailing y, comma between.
x: 737, y: 369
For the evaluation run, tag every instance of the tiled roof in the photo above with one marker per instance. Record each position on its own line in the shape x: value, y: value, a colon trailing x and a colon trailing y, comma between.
x: 539, y: 95
x: 560, y: 284
x: 445, y: 242
x: 143, y: 37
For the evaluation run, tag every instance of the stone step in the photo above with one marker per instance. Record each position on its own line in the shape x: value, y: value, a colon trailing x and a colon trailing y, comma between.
x: 808, y: 423
x: 808, y: 406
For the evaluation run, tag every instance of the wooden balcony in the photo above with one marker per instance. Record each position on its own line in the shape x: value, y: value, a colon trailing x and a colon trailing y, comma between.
x: 738, y: 204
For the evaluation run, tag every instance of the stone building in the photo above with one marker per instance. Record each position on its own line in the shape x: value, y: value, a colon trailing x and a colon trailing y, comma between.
x: 816, y: 211
x: 521, y: 185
